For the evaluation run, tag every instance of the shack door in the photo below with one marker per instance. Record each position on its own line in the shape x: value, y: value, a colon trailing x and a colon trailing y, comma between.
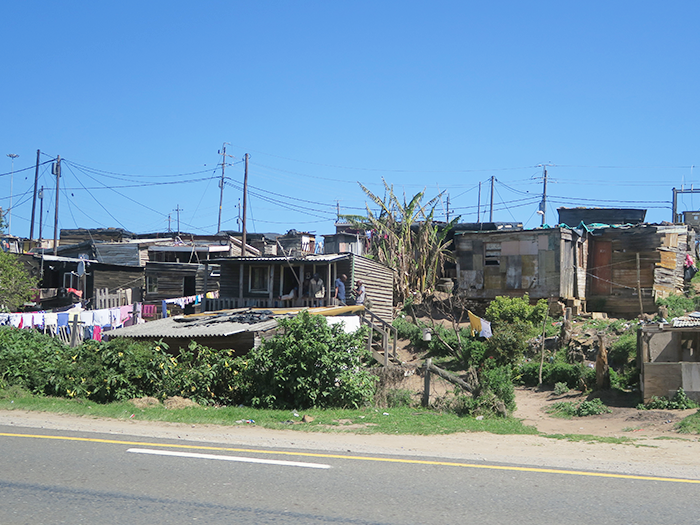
x: 601, y: 271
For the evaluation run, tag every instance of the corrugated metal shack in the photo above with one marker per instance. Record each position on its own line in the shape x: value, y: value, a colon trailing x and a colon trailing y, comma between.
x: 261, y: 281
x: 167, y: 280
x: 545, y: 263
x: 614, y: 276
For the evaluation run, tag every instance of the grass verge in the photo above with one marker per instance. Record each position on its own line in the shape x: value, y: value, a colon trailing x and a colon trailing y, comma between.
x: 403, y: 420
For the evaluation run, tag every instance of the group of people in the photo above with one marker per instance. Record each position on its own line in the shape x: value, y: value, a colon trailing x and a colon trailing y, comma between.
x: 358, y: 292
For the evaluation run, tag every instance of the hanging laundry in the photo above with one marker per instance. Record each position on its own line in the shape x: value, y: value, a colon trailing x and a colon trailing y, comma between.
x: 4, y: 319
x: 27, y: 321
x: 97, y: 333
x: 479, y: 326
x: 63, y: 319
x: 115, y: 317
x: 38, y: 319
x: 86, y: 317
x: 101, y: 317
x: 16, y: 320
x: 51, y: 319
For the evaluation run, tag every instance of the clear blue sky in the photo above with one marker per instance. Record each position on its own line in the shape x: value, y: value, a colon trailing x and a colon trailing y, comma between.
x: 138, y: 97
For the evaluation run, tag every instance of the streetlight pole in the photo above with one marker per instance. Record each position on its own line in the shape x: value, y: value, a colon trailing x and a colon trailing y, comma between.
x: 13, y: 156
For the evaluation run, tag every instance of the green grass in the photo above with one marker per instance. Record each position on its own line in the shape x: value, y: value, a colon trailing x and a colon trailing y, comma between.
x: 401, y: 420
x: 690, y: 424
x: 588, y: 438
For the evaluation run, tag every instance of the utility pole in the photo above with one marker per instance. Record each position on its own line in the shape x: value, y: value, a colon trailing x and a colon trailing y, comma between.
x: 447, y: 212
x: 178, y: 210
x: 478, y: 206
x: 677, y: 217
x: 57, y: 172
x: 245, y: 205
x: 169, y: 228
x: 491, y: 212
x: 337, y: 210
x: 222, y: 152
x: 13, y: 156
x: 238, y: 220
x: 36, y: 183
x: 41, y: 211
x: 543, y: 204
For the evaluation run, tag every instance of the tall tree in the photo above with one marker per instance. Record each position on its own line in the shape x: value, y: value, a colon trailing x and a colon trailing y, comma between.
x: 405, y: 237
x: 16, y: 285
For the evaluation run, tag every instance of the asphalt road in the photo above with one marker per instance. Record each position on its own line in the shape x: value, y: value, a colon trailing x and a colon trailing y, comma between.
x: 53, y: 477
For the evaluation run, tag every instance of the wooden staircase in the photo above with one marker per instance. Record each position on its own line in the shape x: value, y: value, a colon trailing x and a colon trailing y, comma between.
x: 381, y: 340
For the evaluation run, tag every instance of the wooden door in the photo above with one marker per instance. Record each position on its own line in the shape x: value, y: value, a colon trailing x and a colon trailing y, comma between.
x: 601, y: 269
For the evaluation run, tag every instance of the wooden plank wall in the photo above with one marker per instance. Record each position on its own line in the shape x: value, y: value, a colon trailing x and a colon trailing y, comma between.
x: 661, y: 252
x: 379, y: 285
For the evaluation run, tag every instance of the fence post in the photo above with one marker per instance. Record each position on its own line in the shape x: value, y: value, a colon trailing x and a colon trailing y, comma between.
x: 74, y: 332
x: 426, y: 383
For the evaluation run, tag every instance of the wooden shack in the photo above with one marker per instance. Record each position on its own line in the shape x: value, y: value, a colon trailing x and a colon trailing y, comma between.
x: 169, y: 280
x: 648, y: 257
x: 261, y: 281
x: 544, y: 263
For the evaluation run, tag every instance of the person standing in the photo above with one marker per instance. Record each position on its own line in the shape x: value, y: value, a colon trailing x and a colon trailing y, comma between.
x: 359, y: 292
x: 317, y: 290
x: 340, y: 289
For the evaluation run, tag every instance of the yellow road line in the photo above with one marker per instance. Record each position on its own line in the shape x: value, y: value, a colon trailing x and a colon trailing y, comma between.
x: 357, y: 458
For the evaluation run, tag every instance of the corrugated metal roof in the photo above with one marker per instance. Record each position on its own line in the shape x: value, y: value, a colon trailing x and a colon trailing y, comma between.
x: 308, y: 259
x: 218, y: 324
x: 686, y: 321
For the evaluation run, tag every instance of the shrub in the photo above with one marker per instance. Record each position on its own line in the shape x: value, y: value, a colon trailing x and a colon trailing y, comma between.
x: 623, y: 350
x: 308, y: 364
x: 560, y: 389
x: 498, y: 381
x: 552, y: 373
x: 399, y: 397
x: 677, y: 304
x: 516, y: 309
x: 680, y: 401
x: 570, y: 409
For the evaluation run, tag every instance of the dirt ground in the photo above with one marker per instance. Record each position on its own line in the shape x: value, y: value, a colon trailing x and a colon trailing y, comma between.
x: 657, y: 450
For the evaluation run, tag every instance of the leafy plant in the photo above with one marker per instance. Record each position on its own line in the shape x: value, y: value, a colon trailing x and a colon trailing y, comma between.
x: 308, y: 364
x: 677, y: 304
x: 569, y: 409
x: 16, y: 285
x: 680, y: 401
x: 560, y: 388
x: 405, y: 237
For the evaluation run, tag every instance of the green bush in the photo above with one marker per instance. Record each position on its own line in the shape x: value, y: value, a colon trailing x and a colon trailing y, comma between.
x: 561, y: 389
x: 308, y: 364
x: 557, y: 372
x: 623, y: 350
x: 516, y: 309
x: 570, y: 409
x: 680, y: 401
x: 499, y: 381
x: 399, y: 397
x: 677, y: 304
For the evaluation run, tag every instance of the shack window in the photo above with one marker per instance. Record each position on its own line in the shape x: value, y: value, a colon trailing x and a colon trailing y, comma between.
x: 492, y: 254
x: 152, y: 284
x: 71, y: 280
x: 259, y: 281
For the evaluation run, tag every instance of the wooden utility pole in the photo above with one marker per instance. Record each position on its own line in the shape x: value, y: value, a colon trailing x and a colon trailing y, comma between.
x: 639, y: 287
x: 543, y: 204
x: 41, y: 211
x: 178, y: 210
x: 245, y: 205
x: 36, y: 183
x: 55, y: 220
x: 448, y: 209
x: 222, y: 152
x: 491, y: 212
x: 478, y: 206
